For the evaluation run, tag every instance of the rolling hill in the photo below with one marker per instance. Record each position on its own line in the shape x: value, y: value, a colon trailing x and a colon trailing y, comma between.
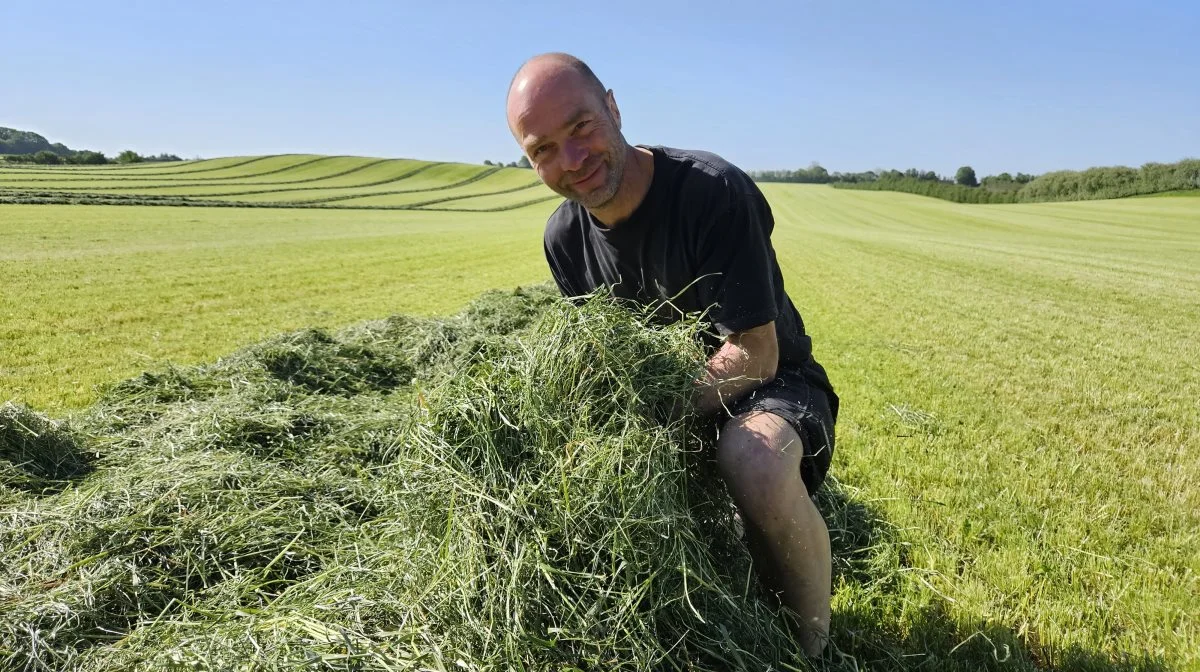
x: 286, y: 180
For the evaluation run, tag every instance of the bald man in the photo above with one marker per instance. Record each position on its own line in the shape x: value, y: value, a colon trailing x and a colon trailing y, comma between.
x: 657, y: 223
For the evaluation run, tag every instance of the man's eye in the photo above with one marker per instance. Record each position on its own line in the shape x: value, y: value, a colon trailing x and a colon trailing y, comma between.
x: 580, y: 125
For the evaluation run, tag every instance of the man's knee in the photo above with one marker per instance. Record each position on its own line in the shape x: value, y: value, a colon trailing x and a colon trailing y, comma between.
x: 759, y: 455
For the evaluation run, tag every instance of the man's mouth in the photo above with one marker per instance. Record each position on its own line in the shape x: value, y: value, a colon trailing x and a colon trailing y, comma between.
x: 591, y: 173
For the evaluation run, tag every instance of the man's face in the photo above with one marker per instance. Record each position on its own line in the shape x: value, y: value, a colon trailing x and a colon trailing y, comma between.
x: 571, y: 135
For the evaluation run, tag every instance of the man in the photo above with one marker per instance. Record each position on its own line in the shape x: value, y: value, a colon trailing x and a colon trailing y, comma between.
x: 656, y: 223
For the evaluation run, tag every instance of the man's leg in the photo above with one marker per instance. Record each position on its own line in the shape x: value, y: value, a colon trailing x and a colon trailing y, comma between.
x: 759, y: 455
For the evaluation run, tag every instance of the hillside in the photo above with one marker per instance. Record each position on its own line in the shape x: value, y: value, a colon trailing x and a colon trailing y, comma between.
x: 13, y: 141
x: 285, y: 180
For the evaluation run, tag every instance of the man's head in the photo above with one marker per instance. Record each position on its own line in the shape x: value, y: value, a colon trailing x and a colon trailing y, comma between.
x: 569, y: 127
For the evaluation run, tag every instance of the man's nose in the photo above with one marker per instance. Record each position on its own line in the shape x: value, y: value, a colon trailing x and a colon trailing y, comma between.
x: 574, y: 155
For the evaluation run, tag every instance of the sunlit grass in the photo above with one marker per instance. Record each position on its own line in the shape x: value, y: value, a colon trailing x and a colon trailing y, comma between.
x: 1019, y: 444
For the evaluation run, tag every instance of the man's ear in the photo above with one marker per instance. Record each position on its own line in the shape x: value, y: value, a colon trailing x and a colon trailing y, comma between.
x: 611, y: 101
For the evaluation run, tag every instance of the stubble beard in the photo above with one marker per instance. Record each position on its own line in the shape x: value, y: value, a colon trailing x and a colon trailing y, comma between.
x: 614, y: 168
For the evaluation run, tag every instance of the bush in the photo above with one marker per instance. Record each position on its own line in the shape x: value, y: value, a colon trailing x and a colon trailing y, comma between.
x: 1113, y: 182
x: 87, y: 158
x: 45, y: 157
x: 943, y: 190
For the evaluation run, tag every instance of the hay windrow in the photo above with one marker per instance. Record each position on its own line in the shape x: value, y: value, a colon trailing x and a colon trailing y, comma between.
x: 503, y: 489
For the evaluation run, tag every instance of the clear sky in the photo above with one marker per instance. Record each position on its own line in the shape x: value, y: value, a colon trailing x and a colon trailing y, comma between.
x: 1002, y: 86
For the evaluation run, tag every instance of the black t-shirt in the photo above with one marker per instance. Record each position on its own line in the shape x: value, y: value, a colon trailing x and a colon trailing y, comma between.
x: 701, y: 238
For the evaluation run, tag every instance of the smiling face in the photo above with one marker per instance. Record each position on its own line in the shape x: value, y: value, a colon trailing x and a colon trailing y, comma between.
x: 571, y: 131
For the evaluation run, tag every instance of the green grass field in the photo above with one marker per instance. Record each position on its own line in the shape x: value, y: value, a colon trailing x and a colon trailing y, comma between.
x: 94, y: 294
x: 1019, y: 438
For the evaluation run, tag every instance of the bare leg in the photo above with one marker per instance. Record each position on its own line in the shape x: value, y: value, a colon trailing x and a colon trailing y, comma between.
x: 759, y: 455
x: 763, y: 562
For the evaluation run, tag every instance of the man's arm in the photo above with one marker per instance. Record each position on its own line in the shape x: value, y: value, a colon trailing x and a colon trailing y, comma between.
x: 747, y: 360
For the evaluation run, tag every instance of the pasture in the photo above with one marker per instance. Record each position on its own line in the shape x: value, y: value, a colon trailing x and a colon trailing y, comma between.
x: 1017, y: 478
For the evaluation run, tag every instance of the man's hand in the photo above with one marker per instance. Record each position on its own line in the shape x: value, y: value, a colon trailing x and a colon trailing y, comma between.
x: 746, y: 361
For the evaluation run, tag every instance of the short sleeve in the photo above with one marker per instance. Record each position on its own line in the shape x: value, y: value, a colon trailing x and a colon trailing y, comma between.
x: 735, y: 278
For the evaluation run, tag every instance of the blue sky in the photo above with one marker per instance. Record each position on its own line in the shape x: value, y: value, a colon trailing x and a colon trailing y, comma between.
x: 1014, y: 86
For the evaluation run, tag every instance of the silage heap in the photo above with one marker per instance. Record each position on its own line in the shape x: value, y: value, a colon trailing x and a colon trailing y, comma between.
x: 505, y: 489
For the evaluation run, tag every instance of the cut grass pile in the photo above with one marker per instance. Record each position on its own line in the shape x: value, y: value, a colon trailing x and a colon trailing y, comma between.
x: 504, y: 489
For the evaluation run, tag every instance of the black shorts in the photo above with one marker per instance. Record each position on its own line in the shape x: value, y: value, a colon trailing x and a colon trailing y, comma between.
x: 808, y: 408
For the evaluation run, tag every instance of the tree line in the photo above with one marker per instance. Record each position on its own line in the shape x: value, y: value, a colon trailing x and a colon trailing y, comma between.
x: 814, y: 174
x: 522, y: 162
x: 86, y: 157
x: 965, y: 187
x: 29, y: 147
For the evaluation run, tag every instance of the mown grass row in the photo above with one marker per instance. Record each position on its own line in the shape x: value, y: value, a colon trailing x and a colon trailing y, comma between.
x: 429, y: 175
x: 59, y: 198
x: 275, y: 165
x: 202, y: 166
x: 17, y: 195
x: 461, y: 183
x: 275, y: 185
x: 328, y: 176
x: 315, y: 194
x: 285, y: 159
x: 498, y: 208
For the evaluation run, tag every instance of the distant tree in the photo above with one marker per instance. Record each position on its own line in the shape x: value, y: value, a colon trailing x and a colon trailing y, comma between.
x: 1001, y: 182
x: 814, y: 174
x: 88, y: 158
x: 512, y: 164
x: 523, y: 162
x: 487, y: 162
x: 158, y: 158
x: 129, y: 156
x: 1023, y: 178
x: 966, y: 177
x: 47, y: 157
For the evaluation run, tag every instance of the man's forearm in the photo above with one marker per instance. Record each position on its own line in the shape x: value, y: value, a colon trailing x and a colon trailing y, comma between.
x: 745, y: 362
